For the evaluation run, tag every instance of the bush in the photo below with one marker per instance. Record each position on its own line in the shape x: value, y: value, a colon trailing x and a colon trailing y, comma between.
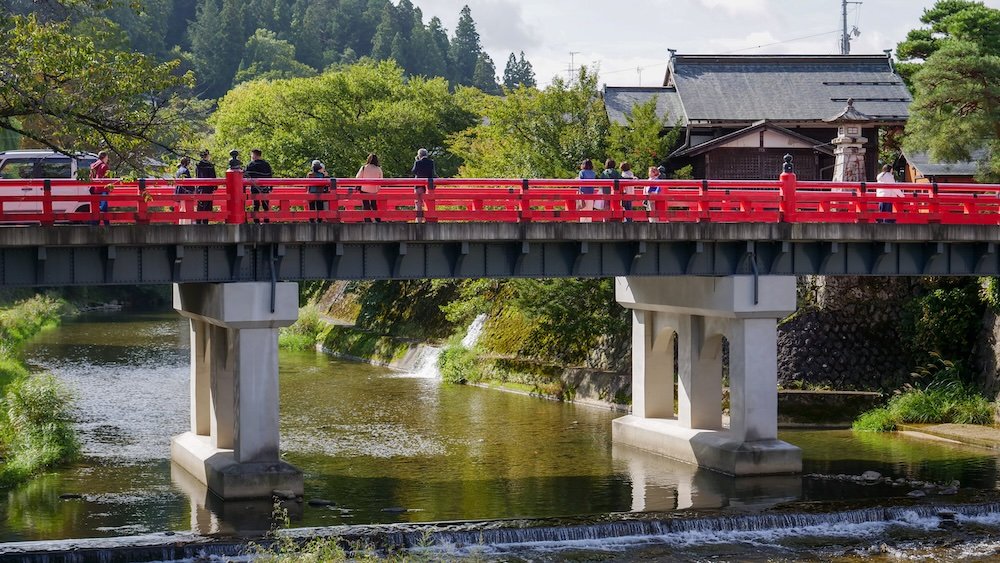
x: 35, y: 426
x: 459, y: 365
x: 304, y: 332
x: 946, y: 399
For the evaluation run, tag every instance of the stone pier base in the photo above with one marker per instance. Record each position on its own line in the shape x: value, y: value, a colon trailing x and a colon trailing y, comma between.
x: 699, y: 312
x: 232, y: 446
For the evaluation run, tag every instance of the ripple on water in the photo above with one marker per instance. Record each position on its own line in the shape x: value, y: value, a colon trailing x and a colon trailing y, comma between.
x: 373, y: 440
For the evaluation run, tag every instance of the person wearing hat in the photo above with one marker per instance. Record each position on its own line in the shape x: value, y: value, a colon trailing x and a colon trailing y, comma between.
x: 259, y: 168
x: 317, y: 170
x: 204, y: 169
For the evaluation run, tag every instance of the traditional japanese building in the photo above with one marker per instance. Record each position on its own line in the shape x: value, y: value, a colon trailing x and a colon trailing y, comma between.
x: 742, y: 113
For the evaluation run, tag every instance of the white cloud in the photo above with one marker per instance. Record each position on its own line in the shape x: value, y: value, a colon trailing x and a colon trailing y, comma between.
x: 737, y: 7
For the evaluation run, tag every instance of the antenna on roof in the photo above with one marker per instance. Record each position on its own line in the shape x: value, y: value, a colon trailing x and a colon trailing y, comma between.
x: 845, y: 36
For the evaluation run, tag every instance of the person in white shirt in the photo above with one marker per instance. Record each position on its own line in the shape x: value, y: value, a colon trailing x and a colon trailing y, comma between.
x: 886, y: 177
x: 370, y: 169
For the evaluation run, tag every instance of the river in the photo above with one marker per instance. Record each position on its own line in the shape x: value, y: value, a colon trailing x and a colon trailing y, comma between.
x: 390, y: 447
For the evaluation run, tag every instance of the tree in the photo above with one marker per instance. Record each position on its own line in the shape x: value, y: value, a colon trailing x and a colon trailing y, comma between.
x: 340, y: 116
x: 463, y: 52
x: 485, y: 75
x: 640, y: 141
x: 534, y: 134
x: 518, y: 72
x: 267, y: 57
x: 956, y: 89
x: 64, y: 92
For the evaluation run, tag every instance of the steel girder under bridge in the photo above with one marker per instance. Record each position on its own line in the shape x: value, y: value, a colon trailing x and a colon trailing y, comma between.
x: 158, y: 254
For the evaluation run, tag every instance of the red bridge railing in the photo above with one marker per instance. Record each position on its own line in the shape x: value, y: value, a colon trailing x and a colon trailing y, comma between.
x: 341, y: 200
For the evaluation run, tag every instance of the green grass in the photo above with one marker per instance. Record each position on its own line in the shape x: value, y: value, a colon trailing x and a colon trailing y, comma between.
x: 36, y: 430
x: 305, y: 332
x: 944, y: 401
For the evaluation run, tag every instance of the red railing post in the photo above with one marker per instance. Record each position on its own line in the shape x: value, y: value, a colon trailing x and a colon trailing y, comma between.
x: 48, y: 218
x: 787, y: 191
x: 234, y: 192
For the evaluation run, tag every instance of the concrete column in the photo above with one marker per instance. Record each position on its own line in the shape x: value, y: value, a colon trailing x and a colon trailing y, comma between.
x: 223, y: 385
x: 699, y: 376
x: 753, y: 379
x: 233, y: 445
x: 652, y: 369
x: 703, y: 310
x: 256, y: 436
x: 201, y: 395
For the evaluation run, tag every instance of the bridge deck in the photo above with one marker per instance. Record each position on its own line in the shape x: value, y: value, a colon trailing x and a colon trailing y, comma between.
x: 157, y: 254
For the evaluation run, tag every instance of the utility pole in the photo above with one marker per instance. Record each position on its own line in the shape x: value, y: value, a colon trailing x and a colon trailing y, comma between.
x: 571, y: 69
x: 845, y: 36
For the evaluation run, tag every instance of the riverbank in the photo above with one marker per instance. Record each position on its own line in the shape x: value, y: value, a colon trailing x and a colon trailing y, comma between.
x: 35, y: 425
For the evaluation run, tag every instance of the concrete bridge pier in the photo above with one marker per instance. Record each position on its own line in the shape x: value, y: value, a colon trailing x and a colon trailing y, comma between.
x: 232, y: 446
x: 700, y: 312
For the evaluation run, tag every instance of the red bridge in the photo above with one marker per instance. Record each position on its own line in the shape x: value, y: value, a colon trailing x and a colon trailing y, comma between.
x: 340, y: 200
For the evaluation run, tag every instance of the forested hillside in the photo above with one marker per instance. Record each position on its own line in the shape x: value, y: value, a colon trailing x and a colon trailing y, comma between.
x: 227, y: 42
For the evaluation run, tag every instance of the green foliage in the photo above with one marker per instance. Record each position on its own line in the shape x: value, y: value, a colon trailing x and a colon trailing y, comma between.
x: 458, y: 364
x: 25, y: 319
x: 572, y: 315
x: 65, y: 91
x: 406, y: 308
x: 532, y: 133
x: 518, y: 72
x: 640, y: 140
x: 945, y: 321
x: 946, y: 399
x: 304, y: 332
x: 341, y: 116
x: 473, y: 297
x: 956, y: 90
x: 266, y: 57
x: 990, y: 292
x: 36, y: 429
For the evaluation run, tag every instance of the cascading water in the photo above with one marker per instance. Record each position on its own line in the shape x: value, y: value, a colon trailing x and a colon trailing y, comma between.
x: 475, y: 329
x: 426, y: 366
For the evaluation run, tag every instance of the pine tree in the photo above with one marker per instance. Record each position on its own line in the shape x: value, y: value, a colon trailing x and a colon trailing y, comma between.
x: 440, y: 39
x: 485, y: 75
x: 511, y: 72
x: 463, y: 53
x: 384, y: 34
x: 526, y: 73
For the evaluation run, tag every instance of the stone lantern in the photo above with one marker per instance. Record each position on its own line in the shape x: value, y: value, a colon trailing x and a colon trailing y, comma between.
x: 849, y: 145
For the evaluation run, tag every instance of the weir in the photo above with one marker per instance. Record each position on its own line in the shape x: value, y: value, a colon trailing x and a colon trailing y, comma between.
x: 233, y: 444
x: 700, y: 312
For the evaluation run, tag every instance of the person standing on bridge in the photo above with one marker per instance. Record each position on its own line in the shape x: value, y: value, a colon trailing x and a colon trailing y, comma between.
x: 886, y: 177
x: 259, y: 168
x: 627, y: 174
x: 370, y: 169
x: 423, y: 167
x: 610, y: 172
x: 317, y: 170
x: 204, y: 169
x: 586, y: 173
x: 183, y: 171
x: 651, y: 205
x: 99, y: 170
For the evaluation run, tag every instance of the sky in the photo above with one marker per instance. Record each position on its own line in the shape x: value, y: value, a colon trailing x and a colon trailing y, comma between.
x: 628, y: 40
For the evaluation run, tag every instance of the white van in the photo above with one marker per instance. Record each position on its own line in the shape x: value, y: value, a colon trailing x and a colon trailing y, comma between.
x: 40, y: 163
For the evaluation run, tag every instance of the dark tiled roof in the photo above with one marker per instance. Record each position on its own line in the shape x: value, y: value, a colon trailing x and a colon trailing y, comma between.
x: 928, y: 168
x: 619, y: 102
x: 786, y: 88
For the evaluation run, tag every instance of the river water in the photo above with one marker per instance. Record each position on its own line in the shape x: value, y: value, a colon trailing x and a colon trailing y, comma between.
x: 386, y: 447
